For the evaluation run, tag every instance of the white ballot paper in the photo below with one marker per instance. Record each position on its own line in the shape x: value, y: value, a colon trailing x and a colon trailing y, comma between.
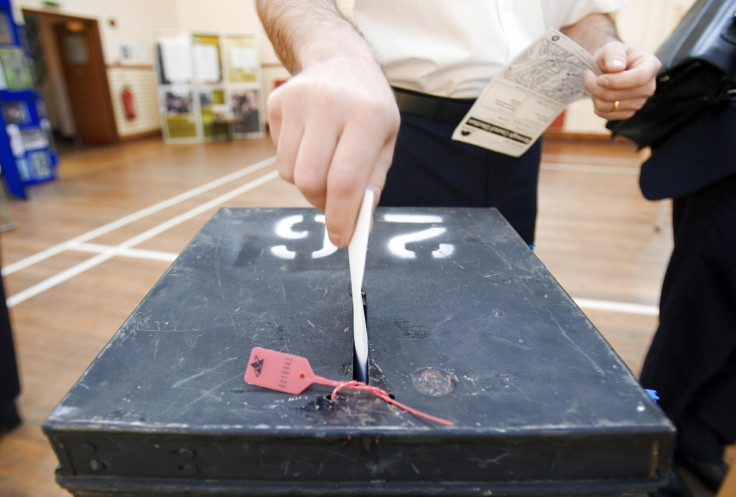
x: 523, y: 100
x: 357, y: 249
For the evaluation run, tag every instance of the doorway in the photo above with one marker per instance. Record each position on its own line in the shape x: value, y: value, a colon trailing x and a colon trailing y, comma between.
x: 72, y: 77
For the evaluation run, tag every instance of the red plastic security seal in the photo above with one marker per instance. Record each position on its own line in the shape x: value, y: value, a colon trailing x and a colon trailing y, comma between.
x: 293, y: 374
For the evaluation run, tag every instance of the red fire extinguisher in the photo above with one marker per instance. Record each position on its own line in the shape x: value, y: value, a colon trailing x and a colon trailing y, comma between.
x: 128, y: 102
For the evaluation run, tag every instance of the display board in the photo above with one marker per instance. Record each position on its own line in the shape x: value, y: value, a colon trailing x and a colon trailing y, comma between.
x: 27, y: 151
x: 209, y: 86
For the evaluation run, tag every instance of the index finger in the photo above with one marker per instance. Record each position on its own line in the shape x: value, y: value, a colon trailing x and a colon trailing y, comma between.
x: 347, y: 180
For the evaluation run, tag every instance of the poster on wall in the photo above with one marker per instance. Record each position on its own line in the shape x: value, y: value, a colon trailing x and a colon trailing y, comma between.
x: 206, y: 54
x: 241, y: 58
x: 174, y: 60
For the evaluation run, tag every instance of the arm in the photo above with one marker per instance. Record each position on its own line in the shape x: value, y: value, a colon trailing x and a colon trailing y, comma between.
x: 628, y: 72
x: 334, y: 123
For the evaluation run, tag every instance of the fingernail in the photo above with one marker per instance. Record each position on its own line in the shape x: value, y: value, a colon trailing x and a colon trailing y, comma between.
x: 618, y: 64
x: 336, y: 239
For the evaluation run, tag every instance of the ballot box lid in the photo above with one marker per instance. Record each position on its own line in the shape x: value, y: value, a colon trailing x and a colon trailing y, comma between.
x: 464, y: 323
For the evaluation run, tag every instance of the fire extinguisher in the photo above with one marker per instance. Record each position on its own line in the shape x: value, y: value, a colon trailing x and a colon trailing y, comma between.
x: 128, y: 102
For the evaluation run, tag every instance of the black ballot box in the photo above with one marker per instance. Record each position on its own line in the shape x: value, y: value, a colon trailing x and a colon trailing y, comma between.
x: 464, y: 323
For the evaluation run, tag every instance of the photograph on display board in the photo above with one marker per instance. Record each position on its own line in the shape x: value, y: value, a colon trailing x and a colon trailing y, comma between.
x: 214, y: 120
x: 179, y: 115
x: 178, y: 102
x: 245, y: 104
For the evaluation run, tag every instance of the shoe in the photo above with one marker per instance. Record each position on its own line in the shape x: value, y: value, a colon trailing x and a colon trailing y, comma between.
x: 700, y: 451
x: 711, y: 474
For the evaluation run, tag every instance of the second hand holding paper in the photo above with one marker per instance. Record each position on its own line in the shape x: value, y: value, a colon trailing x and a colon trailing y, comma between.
x: 356, y: 256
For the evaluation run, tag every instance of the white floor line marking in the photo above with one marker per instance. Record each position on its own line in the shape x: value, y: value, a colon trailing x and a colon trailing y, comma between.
x: 605, y: 305
x: 102, y: 230
x: 588, y: 159
x: 590, y: 169
x: 155, y: 255
x: 146, y: 235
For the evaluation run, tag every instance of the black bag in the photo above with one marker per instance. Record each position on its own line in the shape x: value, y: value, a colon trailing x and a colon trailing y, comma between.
x: 698, y: 70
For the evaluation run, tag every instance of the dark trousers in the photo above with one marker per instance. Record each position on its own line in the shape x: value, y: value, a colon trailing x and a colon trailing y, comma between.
x: 431, y: 170
x: 9, y: 384
x: 692, y: 359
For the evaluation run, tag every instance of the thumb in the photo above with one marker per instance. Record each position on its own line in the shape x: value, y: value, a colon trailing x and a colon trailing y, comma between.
x: 612, y: 57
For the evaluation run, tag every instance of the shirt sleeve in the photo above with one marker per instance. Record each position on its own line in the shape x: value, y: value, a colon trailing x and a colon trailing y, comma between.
x: 559, y: 14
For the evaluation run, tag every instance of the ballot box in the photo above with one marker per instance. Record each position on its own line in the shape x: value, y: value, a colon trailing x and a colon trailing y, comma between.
x: 464, y: 324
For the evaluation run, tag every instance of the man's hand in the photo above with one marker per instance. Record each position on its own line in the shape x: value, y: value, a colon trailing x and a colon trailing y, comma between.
x: 334, y: 125
x: 628, y: 79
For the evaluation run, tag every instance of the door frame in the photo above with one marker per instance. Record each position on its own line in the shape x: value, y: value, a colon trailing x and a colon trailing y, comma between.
x: 96, y: 58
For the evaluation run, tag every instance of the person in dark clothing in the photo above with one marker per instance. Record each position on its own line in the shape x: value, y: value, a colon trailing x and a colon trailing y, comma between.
x: 9, y: 382
x: 692, y: 359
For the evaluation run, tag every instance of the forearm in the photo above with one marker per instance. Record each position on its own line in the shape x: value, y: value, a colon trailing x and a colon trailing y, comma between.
x: 304, y: 32
x: 592, y: 31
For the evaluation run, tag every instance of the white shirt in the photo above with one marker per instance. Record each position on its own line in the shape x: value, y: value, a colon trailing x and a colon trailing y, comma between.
x: 452, y: 48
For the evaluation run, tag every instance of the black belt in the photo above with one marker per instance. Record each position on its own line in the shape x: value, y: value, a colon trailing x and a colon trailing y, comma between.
x: 447, y: 110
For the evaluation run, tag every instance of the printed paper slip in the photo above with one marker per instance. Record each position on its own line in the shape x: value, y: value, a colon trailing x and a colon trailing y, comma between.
x: 523, y: 100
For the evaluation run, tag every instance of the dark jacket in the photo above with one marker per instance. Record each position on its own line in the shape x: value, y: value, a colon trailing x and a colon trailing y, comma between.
x: 693, y: 157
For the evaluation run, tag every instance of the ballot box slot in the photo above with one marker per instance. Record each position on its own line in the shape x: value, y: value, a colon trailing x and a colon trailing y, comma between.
x: 357, y: 373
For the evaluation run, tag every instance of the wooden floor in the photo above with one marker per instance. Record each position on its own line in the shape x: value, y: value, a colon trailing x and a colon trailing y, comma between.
x: 87, y: 247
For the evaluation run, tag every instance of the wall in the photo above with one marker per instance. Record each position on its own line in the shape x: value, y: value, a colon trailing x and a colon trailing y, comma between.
x: 121, y: 22
x: 142, y: 81
x: 222, y: 16
x: 125, y: 32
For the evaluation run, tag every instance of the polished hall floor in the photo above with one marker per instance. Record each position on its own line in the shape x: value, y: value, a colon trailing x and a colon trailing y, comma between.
x: 87, y: 247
